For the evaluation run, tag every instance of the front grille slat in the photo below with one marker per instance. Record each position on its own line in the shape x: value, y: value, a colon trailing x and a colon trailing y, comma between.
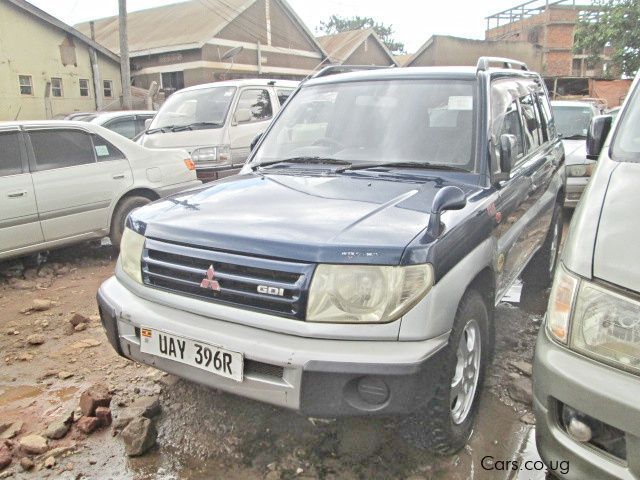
x: 267, y: 285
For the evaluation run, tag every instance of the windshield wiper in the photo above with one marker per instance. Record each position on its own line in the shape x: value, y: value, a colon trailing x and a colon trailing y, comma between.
x: 423, y: 165
x: 159, y: 129
x: 307, y: 160
x: 190, y: 126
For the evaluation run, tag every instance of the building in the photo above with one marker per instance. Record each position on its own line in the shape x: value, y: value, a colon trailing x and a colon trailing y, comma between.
x: 444, y: 50
x: 49, y: 69
x: 357, y: 47
x: 202, y: 41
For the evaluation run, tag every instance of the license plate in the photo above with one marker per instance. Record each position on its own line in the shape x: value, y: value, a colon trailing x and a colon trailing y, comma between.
x: 201, y: 355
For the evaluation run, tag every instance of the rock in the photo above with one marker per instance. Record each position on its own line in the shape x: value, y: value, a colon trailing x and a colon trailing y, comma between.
x: 148, y: 407
x: 50, y: 462
x: 139, y: 436
x: 35, y: 444
x: 78, y: 319
x: 36, y: 339
x: 57, y: 430
x: 80, y: 327
x: 11, y: 431
x: 87, y: 343
x: 273, y: 475
x: 103, y: 414
x: 95, y: 396
x: 26, y: 463
x: 5, y: 457
x: 39, y: 305
x: 529, y: 418
x: 25, y: 357
x: 18, y: 284
x: 64, y: 375
x: 520, y: 390
x: 88, y: 425
x: 522, y: 366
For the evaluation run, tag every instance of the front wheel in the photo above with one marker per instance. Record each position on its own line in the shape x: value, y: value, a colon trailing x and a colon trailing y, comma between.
x: 539, y: 273
x: 125, y: 207
x: 450, y: 415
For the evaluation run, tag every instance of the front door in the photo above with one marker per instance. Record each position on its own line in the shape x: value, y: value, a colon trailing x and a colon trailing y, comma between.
x: 251, y: 116
x: 19, y: 224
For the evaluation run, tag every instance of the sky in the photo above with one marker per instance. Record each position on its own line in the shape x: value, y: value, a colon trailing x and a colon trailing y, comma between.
x: 413, y: 21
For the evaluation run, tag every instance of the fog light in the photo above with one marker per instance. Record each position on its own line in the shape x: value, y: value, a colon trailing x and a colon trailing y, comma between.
x: 373, y: 390
x: 575, y: 424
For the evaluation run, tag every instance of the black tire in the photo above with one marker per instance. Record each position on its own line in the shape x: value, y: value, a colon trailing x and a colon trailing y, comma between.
x: 539, y: 273
x: 124, y: 208
x: 444, y: 435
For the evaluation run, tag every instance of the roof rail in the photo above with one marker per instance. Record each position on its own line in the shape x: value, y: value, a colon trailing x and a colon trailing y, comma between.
x: 484, y: 63
x: 335, y: 69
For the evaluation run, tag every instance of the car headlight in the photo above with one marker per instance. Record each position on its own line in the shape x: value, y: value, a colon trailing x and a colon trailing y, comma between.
x: 560, y: 304
x: 366, y: 293
x: 606, y: 326
x: 219, y: 154
x: 131, y: 254
x: 580, y: 170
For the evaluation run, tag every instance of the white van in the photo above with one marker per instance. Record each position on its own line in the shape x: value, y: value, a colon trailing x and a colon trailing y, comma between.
x: 216, y: 122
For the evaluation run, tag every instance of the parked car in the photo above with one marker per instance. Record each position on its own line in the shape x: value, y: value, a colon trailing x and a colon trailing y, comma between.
x: 216, y: 122
x: 614, y: 112
x: 587, y: 361
x: 572, y: 123
x: 64, y: 182
x: 128, y: 123
x: 80, y: 116
x: 352, y: 268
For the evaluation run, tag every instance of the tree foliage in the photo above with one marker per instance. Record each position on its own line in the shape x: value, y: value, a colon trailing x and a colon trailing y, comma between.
x: 337, y: 24
x: 616, y: 27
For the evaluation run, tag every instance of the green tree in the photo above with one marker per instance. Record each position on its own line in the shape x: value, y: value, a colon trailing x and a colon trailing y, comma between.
x: 617, y: 27
x: 337, y: 24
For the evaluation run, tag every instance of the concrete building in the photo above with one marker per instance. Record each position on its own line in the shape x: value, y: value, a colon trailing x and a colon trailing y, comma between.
x: 202, y: 41
x: 444, y: 50
x: 357, y: 47
x: 49, y: 69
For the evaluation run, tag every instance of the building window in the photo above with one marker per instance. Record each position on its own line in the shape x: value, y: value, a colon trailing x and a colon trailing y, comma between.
x: 172, y: 81
x: 84, y: 87
x: 56, y: 87
x: 26, y: 85
x: 107, y: 87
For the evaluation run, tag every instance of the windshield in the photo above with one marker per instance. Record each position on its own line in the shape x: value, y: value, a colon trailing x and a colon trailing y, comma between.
x: 375, y: 122
x: 204, y: 106
x: 626, y: 143
x: 572, y: 122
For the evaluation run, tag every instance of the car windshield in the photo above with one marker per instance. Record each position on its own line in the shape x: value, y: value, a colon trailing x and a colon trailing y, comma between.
x: 572, y: 122
x: 369, y: 123
x: 206, y: 107
x: 626, y: 143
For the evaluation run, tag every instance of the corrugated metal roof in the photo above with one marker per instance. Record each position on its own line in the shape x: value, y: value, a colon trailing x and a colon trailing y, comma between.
x: 403, y: 59
x: 340, y: 46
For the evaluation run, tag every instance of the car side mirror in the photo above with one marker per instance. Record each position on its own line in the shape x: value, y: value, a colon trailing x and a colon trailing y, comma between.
x: 447, y: 198
x: 255, y: 140
x: 242, y: 115
x: 507, y: 150
x: 599, y: 129
x: 147, y: 123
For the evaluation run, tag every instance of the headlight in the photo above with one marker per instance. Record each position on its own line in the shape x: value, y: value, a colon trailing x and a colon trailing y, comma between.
x: 579, y: 170
x: 560, y: 304
x: 131, y: 254
x: 366, y: 293
x: 218, y: 155
x: 606, y: 325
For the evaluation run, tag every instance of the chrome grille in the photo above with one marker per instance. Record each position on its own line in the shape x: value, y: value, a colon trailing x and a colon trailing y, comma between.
x: 181, y: 269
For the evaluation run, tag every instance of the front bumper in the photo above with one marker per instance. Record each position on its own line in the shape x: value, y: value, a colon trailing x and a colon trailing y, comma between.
x: 604, y: 393
x: 317, y: 377
x: 573, y: 190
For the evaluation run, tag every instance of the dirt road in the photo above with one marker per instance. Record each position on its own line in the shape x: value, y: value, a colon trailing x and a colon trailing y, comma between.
x: 46, y: 363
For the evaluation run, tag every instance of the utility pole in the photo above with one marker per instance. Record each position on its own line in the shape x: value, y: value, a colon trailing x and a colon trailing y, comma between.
x: 125, y: 69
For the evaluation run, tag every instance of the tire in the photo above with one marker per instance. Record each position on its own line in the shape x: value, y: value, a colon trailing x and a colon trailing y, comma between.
x: 539, y: 273
x: 448, y: 421
x: 124, y: 208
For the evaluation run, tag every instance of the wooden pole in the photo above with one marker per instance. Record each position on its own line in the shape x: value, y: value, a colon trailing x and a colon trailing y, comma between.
x: 125, y: 69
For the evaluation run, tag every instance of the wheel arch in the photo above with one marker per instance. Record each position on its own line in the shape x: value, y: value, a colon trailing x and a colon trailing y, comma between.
x: 135, y: 192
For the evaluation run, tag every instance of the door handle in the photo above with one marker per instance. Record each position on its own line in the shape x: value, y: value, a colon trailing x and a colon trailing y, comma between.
x: 17, y: 194
x: 118, y: 176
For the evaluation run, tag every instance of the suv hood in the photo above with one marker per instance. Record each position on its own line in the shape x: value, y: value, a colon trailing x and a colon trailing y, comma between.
x: 331, y: 219
x: 575, y: 151
x: 188, y: 139
x: 617, y: 250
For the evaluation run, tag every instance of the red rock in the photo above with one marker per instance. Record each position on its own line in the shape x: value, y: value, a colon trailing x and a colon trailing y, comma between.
x: 5, y: 457
x: 77, y: 319
x: 104, y: 416
x: 94, y: 397
x: 88, y: 424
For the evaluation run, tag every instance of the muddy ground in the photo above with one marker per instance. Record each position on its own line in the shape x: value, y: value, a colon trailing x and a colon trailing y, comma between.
x: 203, y: 433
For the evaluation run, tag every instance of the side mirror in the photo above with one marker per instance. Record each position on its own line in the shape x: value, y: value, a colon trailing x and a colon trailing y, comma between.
x: 447, y: 198
x: 507, y: 149
x: 599, y: 129
x: 147, y: 123
x: 255, y: 141
x: 242, y: 115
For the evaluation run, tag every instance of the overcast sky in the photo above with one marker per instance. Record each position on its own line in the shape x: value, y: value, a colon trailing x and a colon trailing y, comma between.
x: 414, y: 21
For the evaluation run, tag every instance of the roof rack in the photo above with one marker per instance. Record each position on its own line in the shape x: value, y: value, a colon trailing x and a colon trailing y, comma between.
x: 484, y: 63
x: 335, y: 69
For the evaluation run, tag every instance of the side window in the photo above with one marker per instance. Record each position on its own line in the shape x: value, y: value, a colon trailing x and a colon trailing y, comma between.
x: 257, y: 102
x: 531, y: 122
x: 124, y: 126
x: 61, y: 148
x: 105, y: 151
x: 549, y: 129
x: 283, y: 94
x: 10, y: 160
x: 509, y: 123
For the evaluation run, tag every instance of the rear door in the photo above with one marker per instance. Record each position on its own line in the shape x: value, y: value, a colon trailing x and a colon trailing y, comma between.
x: 258, y: 101
x: 19, y: 223
x: 77, y: 175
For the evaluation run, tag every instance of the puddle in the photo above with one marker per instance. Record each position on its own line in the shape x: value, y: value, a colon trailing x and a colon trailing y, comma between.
x: 12, y: 394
